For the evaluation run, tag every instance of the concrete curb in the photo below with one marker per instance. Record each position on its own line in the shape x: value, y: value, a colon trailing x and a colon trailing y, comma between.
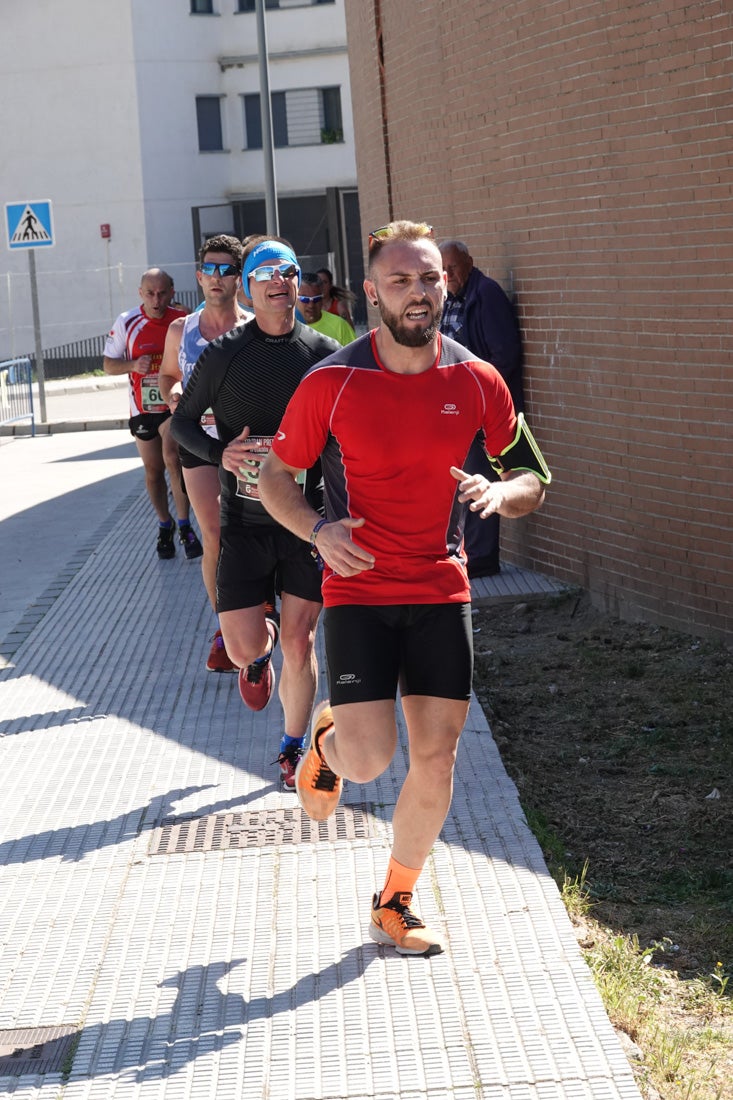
x: 71, y: 387
x: 54, y: 427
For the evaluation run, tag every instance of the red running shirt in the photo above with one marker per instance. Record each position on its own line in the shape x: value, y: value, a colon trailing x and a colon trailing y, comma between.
x: 132, y: 335
x: 387, y: 442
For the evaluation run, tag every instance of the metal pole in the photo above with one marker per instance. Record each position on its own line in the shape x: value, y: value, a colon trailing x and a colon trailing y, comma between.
x: 40, y: 371
x: 10, y: 317
x: 109, y: 281
x: 120, y: 284
x: 271, y: 214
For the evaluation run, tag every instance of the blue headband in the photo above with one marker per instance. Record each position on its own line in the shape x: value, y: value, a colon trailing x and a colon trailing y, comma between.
x: 266, y: 253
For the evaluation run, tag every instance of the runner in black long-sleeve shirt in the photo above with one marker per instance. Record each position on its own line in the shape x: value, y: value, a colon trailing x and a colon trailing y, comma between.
x: 247, y: 378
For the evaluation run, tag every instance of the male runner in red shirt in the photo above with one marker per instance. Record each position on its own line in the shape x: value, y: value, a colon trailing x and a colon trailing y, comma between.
x: 393, y: 416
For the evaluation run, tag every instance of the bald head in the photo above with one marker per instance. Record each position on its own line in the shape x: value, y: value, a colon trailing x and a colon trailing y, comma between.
x: 156, y: 292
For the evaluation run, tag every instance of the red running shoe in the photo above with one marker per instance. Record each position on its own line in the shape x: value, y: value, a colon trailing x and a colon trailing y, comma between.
x: 257, y: 681
x: 288, y: 761
x: 218, y: 660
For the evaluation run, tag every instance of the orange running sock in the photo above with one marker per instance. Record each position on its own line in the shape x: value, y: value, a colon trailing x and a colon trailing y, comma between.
x: 400, y: 880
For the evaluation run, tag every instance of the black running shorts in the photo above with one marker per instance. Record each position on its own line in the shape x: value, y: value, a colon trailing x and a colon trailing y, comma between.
x: 425, y: 648
x: 248, y: 558
x: 146, y: 425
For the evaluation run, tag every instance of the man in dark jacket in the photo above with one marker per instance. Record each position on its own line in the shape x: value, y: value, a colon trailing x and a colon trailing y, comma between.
x: 479, y: 315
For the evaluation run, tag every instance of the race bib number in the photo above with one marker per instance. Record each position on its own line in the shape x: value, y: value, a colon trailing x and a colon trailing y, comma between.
x: 152, y: 402
x: 209, y: 424
x: 249, y: 475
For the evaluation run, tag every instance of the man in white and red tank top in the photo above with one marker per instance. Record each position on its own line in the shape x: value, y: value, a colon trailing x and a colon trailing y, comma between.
x: 135, y: 347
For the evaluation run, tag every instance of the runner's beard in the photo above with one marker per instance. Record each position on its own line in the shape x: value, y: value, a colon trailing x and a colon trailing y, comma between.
x: 410, y: 337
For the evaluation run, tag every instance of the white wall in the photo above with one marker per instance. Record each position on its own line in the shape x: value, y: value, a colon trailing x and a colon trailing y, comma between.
x: 100, y: 118
x: 70, y: 128
x: 179, y: 177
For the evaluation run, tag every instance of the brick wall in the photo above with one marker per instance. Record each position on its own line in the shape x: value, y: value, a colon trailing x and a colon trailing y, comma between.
x: 584, y: 152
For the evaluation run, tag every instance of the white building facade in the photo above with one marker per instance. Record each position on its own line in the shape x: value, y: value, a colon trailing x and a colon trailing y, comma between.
x: 139, y: 120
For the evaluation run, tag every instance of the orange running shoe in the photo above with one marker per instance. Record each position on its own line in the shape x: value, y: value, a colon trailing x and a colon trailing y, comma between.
x: 317, y: 787
x: 395, y: 924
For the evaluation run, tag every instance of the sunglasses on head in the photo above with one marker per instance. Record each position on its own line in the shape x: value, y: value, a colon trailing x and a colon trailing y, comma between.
x: 218, y: 269
x: 264, y: 274
x: 386, y: 231
x: 313, y: 298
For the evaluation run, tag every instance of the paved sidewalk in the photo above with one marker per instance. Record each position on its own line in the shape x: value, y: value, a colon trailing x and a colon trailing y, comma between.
x: 91, y: 403
x: 172, y: 926
x: 60, y: 494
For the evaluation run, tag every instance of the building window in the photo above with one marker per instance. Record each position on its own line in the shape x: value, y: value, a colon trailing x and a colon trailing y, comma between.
x: 249, y: 5
x: 252, y: 122
x: 303, y: 116
x: 202, y: 7
x: 208, y: 120
x: 332, y: 131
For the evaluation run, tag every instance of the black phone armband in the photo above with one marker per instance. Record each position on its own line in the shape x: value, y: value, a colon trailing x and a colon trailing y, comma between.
x: 522, y: 454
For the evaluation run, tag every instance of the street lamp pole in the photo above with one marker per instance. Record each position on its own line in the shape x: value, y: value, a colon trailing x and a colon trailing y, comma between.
x: 271, y: 213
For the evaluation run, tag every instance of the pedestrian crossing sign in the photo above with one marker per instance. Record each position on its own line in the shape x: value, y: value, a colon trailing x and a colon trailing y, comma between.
x: 29, y: 224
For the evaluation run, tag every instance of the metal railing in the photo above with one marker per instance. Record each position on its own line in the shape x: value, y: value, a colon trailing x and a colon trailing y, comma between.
x: 16, y: 392
x: 70, y: 360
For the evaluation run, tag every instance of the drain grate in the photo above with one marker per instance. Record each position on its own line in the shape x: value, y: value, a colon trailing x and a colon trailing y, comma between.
x: 27, y: 1050
x: 259, y: 829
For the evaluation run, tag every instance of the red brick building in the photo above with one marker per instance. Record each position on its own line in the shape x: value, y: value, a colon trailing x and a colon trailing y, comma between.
x: 584, y: 153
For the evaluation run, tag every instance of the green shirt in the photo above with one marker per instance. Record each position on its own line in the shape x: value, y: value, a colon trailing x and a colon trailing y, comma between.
x: 331, y: 325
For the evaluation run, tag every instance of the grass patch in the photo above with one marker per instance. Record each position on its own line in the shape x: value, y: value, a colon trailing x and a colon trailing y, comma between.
x: 620, y: 740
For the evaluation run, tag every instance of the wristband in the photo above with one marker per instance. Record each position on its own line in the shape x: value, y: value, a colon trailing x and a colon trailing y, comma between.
x: 314, y: 552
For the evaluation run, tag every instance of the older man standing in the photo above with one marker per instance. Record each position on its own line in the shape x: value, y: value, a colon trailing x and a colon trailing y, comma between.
x: 479, y: 315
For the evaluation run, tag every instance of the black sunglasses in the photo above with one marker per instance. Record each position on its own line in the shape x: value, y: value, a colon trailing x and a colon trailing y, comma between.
x: 224, y: 270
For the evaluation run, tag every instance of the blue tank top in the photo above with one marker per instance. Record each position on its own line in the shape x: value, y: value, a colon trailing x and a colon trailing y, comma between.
x: 190, y: 348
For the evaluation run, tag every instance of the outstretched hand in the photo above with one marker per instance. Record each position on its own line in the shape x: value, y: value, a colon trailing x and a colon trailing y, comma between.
x: 486, y: 496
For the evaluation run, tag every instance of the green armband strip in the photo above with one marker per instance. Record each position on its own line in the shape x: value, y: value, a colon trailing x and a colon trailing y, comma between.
x: 522, y: 454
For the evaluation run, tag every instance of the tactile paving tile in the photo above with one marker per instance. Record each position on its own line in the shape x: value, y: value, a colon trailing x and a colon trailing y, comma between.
x: 38, y: 610
x: 248, y: 971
